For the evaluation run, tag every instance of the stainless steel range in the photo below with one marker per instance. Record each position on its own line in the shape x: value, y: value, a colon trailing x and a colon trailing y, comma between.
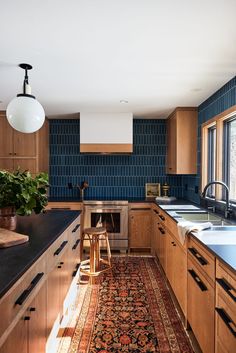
x: 113, y: 215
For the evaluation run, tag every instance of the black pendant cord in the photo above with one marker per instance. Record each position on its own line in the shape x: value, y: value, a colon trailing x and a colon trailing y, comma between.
x: 26, y: 81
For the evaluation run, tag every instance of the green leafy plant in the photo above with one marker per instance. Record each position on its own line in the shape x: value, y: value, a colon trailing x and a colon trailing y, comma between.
x: 23, y: 192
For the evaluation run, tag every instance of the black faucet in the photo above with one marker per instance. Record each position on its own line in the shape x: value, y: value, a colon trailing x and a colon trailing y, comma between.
x: 227, y: 205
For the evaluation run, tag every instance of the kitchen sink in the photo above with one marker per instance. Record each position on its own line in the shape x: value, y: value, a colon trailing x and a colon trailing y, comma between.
x: 203, y: 216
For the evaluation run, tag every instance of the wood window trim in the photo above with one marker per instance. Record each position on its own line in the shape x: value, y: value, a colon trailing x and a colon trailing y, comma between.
x: 217, y: 121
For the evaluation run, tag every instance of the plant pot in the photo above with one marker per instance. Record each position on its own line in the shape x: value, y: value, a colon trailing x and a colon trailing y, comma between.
x: 8, y: 218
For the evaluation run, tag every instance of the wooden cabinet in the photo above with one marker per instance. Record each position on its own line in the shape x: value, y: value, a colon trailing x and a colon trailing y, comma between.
x: 201, y: 299
x: 140, y: 226
x: 29, y: 333
x: 225, y: 326
x: 182, y: 141
x: 21, y: 150
x: 176, y: 270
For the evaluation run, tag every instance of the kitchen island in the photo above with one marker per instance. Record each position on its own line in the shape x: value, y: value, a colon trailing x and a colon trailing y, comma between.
x: 38, y: 280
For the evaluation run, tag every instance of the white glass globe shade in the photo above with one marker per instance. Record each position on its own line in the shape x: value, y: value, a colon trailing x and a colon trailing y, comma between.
x: 25, y: 114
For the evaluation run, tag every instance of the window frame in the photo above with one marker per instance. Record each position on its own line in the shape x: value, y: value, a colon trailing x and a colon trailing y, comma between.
x: 218, y: 121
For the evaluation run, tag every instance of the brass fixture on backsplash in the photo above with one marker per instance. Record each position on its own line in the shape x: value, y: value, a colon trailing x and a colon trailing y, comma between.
x: 165, y: 189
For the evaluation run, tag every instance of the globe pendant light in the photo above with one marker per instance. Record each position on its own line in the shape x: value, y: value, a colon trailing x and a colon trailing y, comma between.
x: 24, y: 112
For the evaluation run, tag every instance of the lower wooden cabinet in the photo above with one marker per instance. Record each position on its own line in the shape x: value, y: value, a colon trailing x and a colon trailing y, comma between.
x: 140, y: 227
x: 29, y: 334
x: 176, y: 270
x: 225, y: 319
x: 201, y: 306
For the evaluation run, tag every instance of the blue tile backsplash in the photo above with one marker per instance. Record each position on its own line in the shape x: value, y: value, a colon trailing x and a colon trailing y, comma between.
x: 221, y: 100
x: 109, y: 176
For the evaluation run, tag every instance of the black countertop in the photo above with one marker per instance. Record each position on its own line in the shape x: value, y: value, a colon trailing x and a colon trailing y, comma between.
x: 225, y: 253
x: 43, y: 230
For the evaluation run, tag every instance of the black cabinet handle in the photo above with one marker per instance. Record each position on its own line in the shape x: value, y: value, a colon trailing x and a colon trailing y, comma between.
x: 61, y: 247
x: 161, y: 230
x: 173, y: 243
x: 60, y: 208
x: 76, y: 244
x: 32, y: 309
x: 200, y: 284
x: 156, y: 211
x: 27, y: 318
x: 227, y: 320
x: 161, y: 217
x: 24, y: 295
x: 76, y: 227
x: 227, y: 287
x: 198, y: 256
x: 76, y: 269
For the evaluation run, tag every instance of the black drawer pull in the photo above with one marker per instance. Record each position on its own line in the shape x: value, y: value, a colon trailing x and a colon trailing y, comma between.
x: 24, y: 295
x: 27, y: 318
x: 161, y: 217
x: 76, y: 227
x: 199, y: 257
x: 200, y: 284
x: 227, y: 320
x: 76, y: 244
x: 161, y: 230
x: 227, y: 287
x: 61, y: 247
x: 156, y: 211
x: 60, y: 208
x: 76, y: 270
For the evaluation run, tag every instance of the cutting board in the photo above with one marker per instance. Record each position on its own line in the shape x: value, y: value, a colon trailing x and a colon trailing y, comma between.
x: 9, y: 238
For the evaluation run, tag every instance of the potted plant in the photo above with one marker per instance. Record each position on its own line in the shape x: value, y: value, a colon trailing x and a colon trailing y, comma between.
x: 21, y: 193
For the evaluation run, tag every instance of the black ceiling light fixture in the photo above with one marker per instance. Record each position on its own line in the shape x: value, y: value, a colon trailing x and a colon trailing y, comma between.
x: 24, y: 112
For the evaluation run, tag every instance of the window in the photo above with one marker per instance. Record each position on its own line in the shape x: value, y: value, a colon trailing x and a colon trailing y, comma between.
x: 211, y: 158
x: 218, y: 159
x: 229, y: 156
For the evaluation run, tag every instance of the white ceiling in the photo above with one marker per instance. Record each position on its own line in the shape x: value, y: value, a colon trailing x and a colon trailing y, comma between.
x: 89, y: 54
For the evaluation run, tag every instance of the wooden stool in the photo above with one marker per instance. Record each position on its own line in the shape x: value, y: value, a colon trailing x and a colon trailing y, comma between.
x: 94, y: 235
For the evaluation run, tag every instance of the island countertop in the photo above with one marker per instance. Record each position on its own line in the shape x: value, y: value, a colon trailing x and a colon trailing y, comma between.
x: 43, y: 230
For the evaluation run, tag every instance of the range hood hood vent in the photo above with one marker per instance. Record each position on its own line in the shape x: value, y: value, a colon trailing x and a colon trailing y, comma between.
x: 106, y: 133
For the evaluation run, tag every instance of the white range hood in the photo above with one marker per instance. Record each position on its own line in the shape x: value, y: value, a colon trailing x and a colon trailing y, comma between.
x: 106, y: 132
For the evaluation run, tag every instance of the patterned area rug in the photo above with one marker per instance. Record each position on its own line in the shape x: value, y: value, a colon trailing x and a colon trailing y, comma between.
x: 130, y: 310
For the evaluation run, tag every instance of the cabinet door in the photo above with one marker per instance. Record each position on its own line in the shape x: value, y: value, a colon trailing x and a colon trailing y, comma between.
x: 53, y: 297
x: 24, y: 144
x: 170, y: 260
x: 171, y: 144
x: 25, y: 164
x: 6, y: 137
x: 37, y: 323
x: 201, y: 300
x: 180, y: 276
x: 17, y: 341
x: 162, y: 246
x: 65, y: 276
x: 7, y: 164
x: 140, y: 229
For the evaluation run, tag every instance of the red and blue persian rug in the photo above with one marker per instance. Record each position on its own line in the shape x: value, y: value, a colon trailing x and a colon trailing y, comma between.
x: 129, y: 310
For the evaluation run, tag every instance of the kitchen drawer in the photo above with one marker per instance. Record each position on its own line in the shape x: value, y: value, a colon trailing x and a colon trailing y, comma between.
x: 19, y: 296
x: 225, y: 323
x: 74, y: 229
x: 56, y: 250
x: 226, y: 280
x: 203, y: 258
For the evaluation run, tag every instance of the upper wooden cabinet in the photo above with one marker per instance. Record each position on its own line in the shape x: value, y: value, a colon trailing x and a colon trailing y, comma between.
x: 26, y: 151
x: 182, y: 141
